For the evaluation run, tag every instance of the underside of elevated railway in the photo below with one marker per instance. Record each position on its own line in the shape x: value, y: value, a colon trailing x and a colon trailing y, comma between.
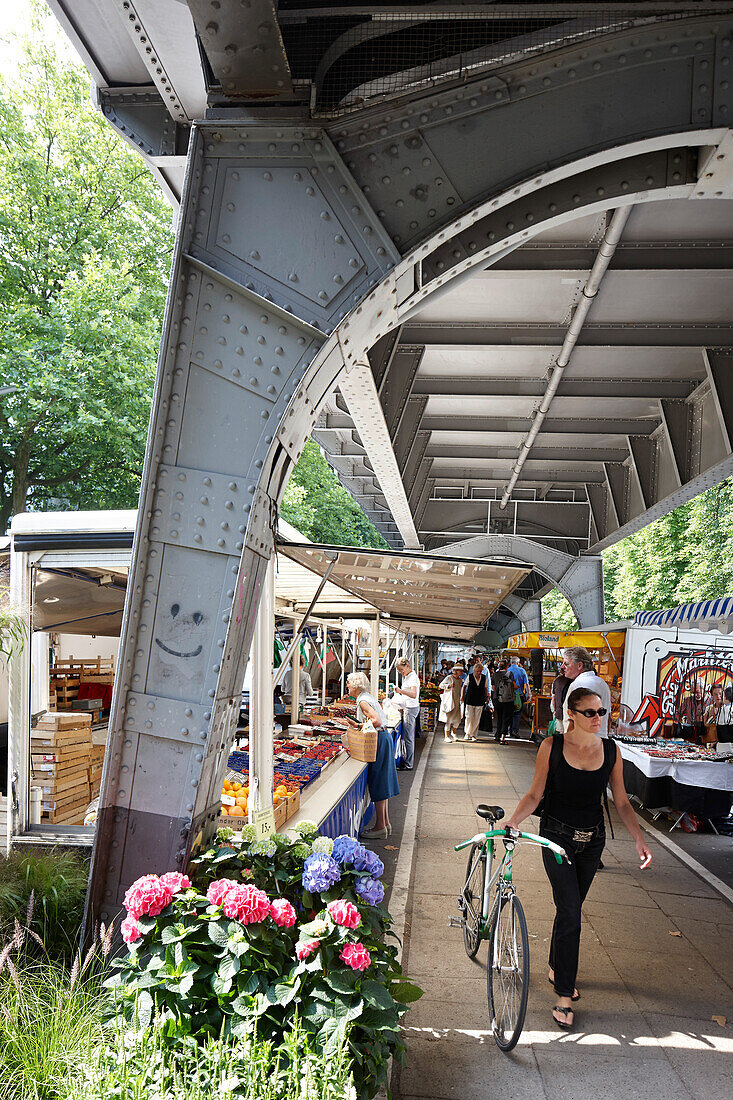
x: 481, y: 252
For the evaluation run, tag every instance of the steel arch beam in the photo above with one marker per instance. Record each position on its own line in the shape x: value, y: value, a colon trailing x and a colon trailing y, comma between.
x: 258, y: 330
x: 579, y: 579
x: 529, y: 612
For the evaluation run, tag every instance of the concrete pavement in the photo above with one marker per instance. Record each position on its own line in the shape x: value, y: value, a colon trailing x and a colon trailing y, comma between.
x: 656, y: 964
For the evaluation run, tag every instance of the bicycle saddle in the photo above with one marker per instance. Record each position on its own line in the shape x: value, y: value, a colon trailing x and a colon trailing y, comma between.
x: 490, y: 813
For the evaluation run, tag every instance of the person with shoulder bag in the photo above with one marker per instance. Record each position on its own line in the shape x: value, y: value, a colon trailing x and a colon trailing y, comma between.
x: 570, y: 779
x: 505, y: 689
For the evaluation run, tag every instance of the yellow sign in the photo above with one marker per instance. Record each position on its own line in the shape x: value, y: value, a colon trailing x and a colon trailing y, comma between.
x: 590, y: 639
x: 264, y: 823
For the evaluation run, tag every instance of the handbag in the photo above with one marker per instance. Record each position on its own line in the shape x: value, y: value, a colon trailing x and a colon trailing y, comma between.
x: 518, y: 700
x: 552, y: 727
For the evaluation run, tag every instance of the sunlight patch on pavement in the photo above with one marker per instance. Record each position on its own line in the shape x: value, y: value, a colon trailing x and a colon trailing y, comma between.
x: 676, y: 1040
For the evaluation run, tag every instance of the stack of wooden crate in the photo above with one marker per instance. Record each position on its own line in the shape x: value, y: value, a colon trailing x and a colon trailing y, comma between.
x: 61, y: 755
x: 96, y: 760
x: 66, y: 675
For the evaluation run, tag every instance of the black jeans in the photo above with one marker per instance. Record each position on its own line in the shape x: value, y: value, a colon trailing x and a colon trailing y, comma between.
x: 570, y: 884
x: 504, y: 714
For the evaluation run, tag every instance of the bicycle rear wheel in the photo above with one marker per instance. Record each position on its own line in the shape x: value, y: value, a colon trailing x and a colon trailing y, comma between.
x: 507, y: 972
x: 472, y: 899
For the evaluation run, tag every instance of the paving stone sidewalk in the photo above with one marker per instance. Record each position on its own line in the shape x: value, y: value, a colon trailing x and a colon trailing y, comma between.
x: 656, y: 964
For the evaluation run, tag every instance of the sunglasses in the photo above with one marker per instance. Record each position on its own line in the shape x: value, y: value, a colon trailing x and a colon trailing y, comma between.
x: 591, y: 713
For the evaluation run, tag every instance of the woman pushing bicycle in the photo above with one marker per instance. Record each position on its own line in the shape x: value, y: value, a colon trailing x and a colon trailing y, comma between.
x: 570, y: 779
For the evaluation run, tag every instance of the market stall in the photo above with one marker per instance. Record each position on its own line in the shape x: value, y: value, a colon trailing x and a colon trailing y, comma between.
x: 674, y: 775
x: 545, y: 651
x: 400, y: 600
x: 347, y: 609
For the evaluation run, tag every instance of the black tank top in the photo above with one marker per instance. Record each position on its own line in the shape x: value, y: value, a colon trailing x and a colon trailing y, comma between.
x: 574, y: 796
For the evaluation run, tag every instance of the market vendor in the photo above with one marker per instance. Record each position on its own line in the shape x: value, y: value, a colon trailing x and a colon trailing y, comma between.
x: 382, y: 773
x: 691, y: 713
x: 306, y: 687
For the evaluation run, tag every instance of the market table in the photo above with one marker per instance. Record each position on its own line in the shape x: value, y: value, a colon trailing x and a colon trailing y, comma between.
x: 701, y: 787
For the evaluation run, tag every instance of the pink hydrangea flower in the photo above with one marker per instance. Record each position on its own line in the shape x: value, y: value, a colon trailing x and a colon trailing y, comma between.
x: 355, y: 955
x: 246, y: 903
x: 175, y: 881
x: 304, y: 950
x: 344, y: 913
x: 147, y: 897
x: 219, y: 890
x: 282, y: 913
x: 131, y: 931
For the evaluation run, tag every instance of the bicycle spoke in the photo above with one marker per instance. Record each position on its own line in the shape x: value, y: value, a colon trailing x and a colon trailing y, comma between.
x: 508, y: 976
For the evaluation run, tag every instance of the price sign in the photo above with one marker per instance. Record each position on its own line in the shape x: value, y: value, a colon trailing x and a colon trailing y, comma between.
x: 264, y: 823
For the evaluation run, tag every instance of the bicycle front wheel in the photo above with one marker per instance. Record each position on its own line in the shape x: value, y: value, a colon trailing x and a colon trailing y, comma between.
x: 472, y: 899
x: 507, y: 972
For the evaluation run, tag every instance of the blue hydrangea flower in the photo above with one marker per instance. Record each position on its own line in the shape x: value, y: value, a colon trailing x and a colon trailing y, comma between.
x: 369, y: 890
x: 320, y: 872
x: 370, y: 862
x: 346, y: 849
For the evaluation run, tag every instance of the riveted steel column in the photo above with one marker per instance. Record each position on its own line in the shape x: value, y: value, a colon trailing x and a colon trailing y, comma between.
x: 251, y: 302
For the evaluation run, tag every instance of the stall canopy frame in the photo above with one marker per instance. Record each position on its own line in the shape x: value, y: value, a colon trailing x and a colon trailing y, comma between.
x: 424, y: 594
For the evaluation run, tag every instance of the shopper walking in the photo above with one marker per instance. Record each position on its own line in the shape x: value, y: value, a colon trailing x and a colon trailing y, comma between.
x: 521, y: 686
x: 577, y: 666
x: 572, y: 773
x: 504, y: 702
x: 407, y: 698
x: 381, y: 774
x: 450, y: 701
x: 476, y: 695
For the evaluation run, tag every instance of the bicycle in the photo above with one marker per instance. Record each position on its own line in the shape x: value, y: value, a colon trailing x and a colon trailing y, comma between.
x: 501, y: 921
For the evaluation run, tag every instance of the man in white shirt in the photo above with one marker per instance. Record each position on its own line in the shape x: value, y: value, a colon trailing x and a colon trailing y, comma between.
x: 306, y: 687
x: 578, y: 666
x: 407, y: 698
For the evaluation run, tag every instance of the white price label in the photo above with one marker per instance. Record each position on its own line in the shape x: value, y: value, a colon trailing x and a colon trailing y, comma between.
x: 228, y: 800
x: 264, y: 823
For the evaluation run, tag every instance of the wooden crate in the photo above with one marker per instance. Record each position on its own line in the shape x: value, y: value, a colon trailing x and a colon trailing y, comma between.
x: 54, y: 723
x: 293, y: 804
x: 66, y: 675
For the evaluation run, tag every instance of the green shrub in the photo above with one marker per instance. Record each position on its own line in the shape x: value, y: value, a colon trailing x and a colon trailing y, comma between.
x: 47, y: 1030
x: 285, y: 929
x: 144, y: 1066
x: 57, y: 879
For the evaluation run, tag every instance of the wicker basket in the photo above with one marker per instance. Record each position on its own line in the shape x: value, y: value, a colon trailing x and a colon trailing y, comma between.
x: 362, y: 745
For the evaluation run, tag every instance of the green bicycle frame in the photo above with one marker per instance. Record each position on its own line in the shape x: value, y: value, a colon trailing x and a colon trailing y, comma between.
x: 504, y: 871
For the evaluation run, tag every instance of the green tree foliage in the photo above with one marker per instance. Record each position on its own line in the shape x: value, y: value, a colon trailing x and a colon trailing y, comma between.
x: 321, y: 508
x: 685, y: 556
x: 557, y: 614
x: 85, y: 243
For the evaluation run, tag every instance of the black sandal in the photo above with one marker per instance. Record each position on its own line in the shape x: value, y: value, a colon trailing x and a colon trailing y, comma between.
x: 575, y: 996
x: 563, y: 1023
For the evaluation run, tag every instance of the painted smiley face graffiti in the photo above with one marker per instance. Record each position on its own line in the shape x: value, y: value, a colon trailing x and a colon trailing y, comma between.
x: 181, y: 627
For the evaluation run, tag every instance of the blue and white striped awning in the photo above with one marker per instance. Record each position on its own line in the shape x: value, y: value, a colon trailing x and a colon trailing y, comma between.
x: 705, y: 615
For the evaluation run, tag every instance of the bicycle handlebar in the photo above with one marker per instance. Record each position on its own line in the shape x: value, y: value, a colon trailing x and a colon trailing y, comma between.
x: 512, y: 834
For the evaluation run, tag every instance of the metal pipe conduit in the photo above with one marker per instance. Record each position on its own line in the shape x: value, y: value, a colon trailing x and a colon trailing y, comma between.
x: 603, y: 258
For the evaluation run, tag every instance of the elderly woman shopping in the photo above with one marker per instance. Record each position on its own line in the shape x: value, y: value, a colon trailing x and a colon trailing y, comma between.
x: 382, y: 774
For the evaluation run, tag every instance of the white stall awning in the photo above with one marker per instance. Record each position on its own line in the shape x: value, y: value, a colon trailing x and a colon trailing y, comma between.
x: 423, y: 593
